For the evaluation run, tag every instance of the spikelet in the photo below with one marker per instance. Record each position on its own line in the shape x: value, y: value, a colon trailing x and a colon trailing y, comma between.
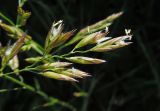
x: 95, y: 27
x: 112, y: 44
x: 75, y: 73
x: 33, y: 59
x: 13, y: 31
x: 55, y: 36
x: 90, y: 39
x: 58, y: 76
x: 22, y: 16
x: 14, y: 63
x: 56, y: 64
x: 85, y: 60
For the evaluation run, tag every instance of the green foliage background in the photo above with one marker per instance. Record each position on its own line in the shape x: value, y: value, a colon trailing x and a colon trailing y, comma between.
x: 129, y: 81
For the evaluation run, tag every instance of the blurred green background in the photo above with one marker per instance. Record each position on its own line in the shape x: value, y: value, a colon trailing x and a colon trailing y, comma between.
x: 129, y: 81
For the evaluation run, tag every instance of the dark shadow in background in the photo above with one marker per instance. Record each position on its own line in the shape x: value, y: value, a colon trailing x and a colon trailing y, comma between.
x: 129, y: 81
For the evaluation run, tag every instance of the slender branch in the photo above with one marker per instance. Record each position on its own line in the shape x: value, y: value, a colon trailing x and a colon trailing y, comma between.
x: 19, y: 82
x: 6, y: 18
x: 39, y: 92
x: 14, y: 89
x: 70, y: 53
